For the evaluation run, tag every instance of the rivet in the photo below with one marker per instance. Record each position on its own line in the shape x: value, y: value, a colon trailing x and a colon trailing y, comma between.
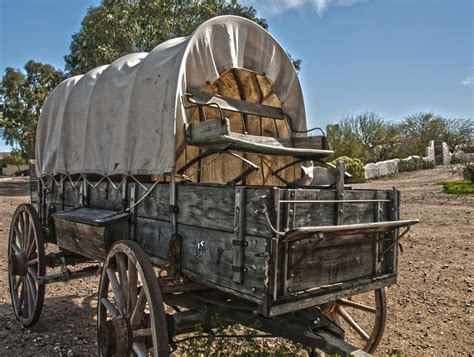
x: 254, y: 289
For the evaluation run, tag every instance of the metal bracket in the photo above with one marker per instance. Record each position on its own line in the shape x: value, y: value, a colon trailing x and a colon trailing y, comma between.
x: 395, y: 241
x: 239, y: 243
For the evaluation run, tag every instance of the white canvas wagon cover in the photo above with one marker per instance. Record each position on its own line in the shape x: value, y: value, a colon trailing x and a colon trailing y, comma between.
x: 123, y: 118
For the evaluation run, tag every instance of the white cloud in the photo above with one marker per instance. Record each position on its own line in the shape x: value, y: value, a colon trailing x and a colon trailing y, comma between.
x: 276, y: 6
x: 469, y: 80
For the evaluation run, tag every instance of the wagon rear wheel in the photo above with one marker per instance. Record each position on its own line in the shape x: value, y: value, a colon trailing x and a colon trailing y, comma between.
x: 131, y: 317
x: 26, y: 262
x: 362, y: 317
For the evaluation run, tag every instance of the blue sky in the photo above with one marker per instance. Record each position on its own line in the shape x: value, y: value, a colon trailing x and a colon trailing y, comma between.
x: 394, y: 57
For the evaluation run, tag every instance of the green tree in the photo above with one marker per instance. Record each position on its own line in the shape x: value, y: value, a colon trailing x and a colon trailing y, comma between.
x: 418, y: 129
x: 458, y: 132
x: 367, y: 137
x: 117, y: 27
x: 344, y: 142
x: 22, y: 94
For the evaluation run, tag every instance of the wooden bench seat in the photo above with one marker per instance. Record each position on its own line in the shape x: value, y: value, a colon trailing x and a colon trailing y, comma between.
x: 217, y: 132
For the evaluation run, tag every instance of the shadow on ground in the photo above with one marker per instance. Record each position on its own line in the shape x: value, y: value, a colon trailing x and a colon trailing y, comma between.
x: 67, y: 327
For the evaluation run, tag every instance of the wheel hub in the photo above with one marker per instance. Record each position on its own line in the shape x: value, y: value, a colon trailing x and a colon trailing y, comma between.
x: 115, y: 337
x: 18, y: 264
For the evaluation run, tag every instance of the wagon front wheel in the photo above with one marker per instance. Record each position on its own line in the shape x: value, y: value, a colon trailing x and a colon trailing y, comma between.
x: 26, y: 262
x: 362, y: 317
x: 130, y: 317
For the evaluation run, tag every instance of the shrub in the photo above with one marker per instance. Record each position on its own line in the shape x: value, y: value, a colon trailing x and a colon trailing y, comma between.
x: 414, y: 163
x: 468, y: 172
x: 428, y: 165
x: 354, y: 167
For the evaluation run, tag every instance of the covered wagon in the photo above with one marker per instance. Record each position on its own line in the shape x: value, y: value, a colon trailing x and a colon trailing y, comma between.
x: 186, y: 175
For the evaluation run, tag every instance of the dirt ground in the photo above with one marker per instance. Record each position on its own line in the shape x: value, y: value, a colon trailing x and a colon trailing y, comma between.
x: 430, y: 309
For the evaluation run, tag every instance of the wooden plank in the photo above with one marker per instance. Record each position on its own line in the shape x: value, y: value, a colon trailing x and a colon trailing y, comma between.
x: 213, y: 263
x: 272, y: 146
x: 235, y: 105
x: 329, y: 265
x: 81, y: 239
x: 210, y: 206
x: 105, y: 196
x: 207, y: 132
x: 322, y: 214
x: 325, y: 294
x: 310, y: 142
x: 340, y: 170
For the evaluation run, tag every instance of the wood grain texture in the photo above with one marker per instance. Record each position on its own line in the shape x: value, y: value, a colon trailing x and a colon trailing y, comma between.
x: 235, y: 105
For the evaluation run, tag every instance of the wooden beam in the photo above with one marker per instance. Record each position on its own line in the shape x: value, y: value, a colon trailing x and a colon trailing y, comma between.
x: 234, y: 105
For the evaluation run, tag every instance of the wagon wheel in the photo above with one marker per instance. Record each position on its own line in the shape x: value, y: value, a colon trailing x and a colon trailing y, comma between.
x: 130, y: 317
x: 26, y: 262
x: 362, y: 317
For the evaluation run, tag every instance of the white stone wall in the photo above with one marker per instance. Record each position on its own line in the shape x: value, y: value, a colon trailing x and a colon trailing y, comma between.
x: 446, y: 154
x: 382, y: 168
x: 430, y: 151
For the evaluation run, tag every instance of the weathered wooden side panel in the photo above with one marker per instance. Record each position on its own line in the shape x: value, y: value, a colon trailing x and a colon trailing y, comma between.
x: 207, y: 255
x: 349, y: 258
x: 207, y: 206
x: 105, y: 196
x: 324, y: 214
x: 213, y: 264
x: 82, y: 239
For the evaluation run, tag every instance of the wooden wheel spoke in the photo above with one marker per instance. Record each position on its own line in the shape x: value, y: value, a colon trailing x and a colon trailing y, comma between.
x: 18, y: 282
x: 115, y: 287
x: 17, y: 235
x: 357, y: 305
x: 26, y: 232
x: 142, y: 332
x: 29, y: 297
x: 30, y: 248
x: 16, y: 249
x: 132, y: 282
x: 32, y: 262
x: 139, y: 309
x: 110, y: 307
x: 19, y: 231
x: 24, y: 238
x: 33, y: 290
x: 21, y: 298
x: 125, y: 291
x: 348, y: 318
x: 140, y: 349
